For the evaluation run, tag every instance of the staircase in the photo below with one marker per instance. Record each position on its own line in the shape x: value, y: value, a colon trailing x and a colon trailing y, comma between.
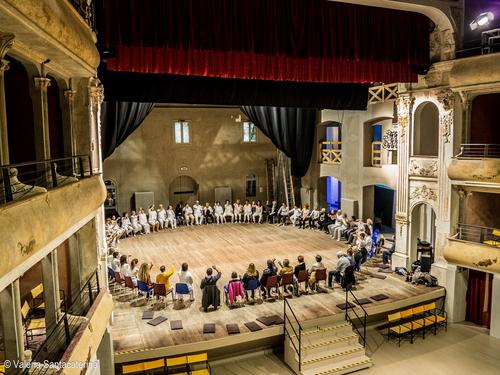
x: 325, y: 346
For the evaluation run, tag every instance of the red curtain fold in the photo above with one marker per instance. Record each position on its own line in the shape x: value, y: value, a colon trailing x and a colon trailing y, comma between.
x: 282, y: 40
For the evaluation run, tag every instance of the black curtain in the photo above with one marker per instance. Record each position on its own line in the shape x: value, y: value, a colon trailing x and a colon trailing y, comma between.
x: 290, y: 129
x: 118, y: 121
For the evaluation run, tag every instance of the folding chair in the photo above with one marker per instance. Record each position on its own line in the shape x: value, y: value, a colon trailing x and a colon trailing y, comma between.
x: 253, y: 285
x: 31, y: 324
x: 182, y: 289
x: 195, y: 361
x: 286, y: 280
x: 321, y: 275
x: 142, y: 287
x: 303, y: 277
x: 436, y: 317
x: 395, y: 327
x: 272, y: 282
x: 119, y: 279
x: 160, y: 291
x: 177, y: 365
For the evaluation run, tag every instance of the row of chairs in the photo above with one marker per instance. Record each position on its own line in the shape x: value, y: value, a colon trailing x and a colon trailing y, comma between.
x: 287, y: 280
x: 159, y: 290
x: 415, y: 320
x: 194, y: 364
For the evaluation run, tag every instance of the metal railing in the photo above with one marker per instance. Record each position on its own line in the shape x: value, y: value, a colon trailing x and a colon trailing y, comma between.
x: 479, y: 234
x: 330, y: 152
x: 20, y: 180
x: 297, y: 333
x: 354, y: 321
x: 58, y: 339
x: 86, y: 9
x: 479, y: 150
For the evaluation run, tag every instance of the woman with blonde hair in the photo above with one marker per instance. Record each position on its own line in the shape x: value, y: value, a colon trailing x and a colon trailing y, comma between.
x: 251, y: 274
x: 144, y: 274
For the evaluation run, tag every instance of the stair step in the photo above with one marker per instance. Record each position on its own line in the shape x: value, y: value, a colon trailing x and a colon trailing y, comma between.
x: 323, y: 335
x: 324, y: 328
x: 330, y: 345
x: 317, y: 360
x: 344, y: 367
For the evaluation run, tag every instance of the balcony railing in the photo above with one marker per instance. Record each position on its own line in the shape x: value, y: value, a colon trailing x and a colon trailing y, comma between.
x: 330, y: 152
x: 478, y: 234
x: 86, y: 9
x: 21, y: 180
x: 479, y: 150
x: 57, y: 341
x: 382, y: 93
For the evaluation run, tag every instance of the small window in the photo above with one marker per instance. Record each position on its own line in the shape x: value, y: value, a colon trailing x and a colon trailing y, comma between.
x: 249, y: 132
x: 251, y: 185
x: 181, y: 132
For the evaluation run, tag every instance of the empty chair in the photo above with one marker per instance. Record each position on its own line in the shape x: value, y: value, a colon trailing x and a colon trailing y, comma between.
x: 31, y: 324
x: 144, y: 367
x: 177, y: 365
x: 144, y: 288
x: 198, y: 364
x: 287, y: 280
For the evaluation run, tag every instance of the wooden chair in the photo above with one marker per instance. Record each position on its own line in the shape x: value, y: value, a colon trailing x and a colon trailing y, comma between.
x: 286, y: 280
x: 177, y: 365
x: 303, y: 277
x: 394, y: 327
x: 495, y: 240
x: 272, y: 282
x: 38, y: 303
x: 31, y: 324
x: 408, y: 321
x: 160, y: 291
x: 321, y: 275
x: 129, y: 284
x: 419, y: 319
x: 195, y: 361
x: 119, y: 279
x: 144, y: 367
x: 435, y: 316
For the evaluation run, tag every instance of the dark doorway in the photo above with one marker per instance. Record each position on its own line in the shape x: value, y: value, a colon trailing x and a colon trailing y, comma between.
x: 478, y: 298
x: 384, y: 205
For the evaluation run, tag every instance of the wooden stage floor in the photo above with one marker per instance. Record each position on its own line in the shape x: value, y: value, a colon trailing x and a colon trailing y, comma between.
x: 230, y: 248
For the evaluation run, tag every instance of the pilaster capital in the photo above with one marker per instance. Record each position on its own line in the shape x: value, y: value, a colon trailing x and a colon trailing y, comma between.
x: 42, y: 83
x: 404, y: 106
x: 96, y: 91
x: 70, y: 95
x: 6, y: 42
x: 4, y: 65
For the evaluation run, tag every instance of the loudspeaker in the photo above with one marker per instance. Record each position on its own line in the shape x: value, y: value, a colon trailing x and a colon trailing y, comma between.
x: 425, y: 263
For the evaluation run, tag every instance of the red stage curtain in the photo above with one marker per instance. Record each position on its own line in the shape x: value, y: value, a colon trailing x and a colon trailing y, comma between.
x: 479, y: 298
x: 279, y: 40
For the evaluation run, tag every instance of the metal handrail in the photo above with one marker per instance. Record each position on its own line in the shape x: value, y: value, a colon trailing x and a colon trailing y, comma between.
x: 478, y: 234
x: 348, y: 318
x: 479, y: 150
x: 285, y: 331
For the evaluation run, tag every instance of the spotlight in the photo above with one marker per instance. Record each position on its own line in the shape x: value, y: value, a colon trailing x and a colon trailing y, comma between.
x: 482, y: 20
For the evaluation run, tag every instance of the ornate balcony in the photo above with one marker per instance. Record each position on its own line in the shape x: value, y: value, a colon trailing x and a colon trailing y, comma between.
x: 478, y: 163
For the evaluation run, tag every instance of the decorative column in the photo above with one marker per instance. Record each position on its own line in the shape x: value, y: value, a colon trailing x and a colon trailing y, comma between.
x: 69, y: 128
x: 404, y: 108
x: 6, y: 42
x: 96, y: 96
x: 12, y: 325
x: 50, y: 276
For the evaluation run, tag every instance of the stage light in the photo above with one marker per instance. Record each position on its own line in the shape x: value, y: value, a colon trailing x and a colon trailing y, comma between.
x: 482, y: 20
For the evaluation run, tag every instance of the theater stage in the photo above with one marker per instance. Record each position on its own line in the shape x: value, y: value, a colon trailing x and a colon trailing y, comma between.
x: 230, y: 248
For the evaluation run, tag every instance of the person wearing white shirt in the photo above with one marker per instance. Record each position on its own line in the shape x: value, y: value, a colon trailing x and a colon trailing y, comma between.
x: 237, y: 211
x: 337, y: 232
x: 188, y: 214
x: 198, y: 213
x: 126, y: 224
x: 170, y: 218
x: 257, y: 215
x: 337, y: 223
x: 295, y: 215
x: 219, y: 213
x: 134, y: 221
x: 185, y: 277
x: 228, y: 211
x: 143, y: 221
x: 162, y: 215
x: 247, y: 212
x: 153, y: 218
x: 313, y: 218
x: 283, y: 214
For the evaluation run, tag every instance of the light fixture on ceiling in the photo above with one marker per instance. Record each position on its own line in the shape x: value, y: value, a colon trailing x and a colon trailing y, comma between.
x: 483, y: 19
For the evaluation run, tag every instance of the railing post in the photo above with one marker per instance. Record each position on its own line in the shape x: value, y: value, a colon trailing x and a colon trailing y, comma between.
x: 6, y: 185
x: 300, y: 348
x: 91, y: 297
x: 364, y: 331
x: 346, y: 302
x: 66, y: 329
x: 97, y: 281
x: 90, y: 166
x: 80, y: 165
x: 53, y: 167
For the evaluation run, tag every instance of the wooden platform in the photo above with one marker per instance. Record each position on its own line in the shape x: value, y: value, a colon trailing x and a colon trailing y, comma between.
x: 231, y: 247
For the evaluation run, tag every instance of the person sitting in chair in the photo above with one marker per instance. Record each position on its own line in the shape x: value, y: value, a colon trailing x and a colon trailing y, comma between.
x: 286, y: 268
x: 271, y: 270
x: 387, y: 254
x: 186, y: 277
x: 312, y: 271
x: 211, y: 294
x: 342, y: 263
x: 234, y: 291
x: 363, y: 246
x: 251, y: 274
x: 164, y: 277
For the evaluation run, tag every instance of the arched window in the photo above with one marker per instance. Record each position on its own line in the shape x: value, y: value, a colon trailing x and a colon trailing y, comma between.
x: 426, y: 130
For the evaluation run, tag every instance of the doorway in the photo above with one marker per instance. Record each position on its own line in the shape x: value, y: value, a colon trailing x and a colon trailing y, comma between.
x: 183, y: 189
x: 478, y: 298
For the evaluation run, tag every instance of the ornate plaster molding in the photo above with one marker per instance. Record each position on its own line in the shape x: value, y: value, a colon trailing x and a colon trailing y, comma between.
x: 423, y: 193
x: 42, y: 83
x: 4, y: 65
x: 6, y: 42
x: 69, y: 94
x: 423, y: 167
x: 401, y: 218
x: 96, y: 92
x: 447, y: 100
x: 404, y: 105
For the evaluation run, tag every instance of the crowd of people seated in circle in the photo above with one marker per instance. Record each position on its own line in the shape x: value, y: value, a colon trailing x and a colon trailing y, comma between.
x: 241, y: 289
